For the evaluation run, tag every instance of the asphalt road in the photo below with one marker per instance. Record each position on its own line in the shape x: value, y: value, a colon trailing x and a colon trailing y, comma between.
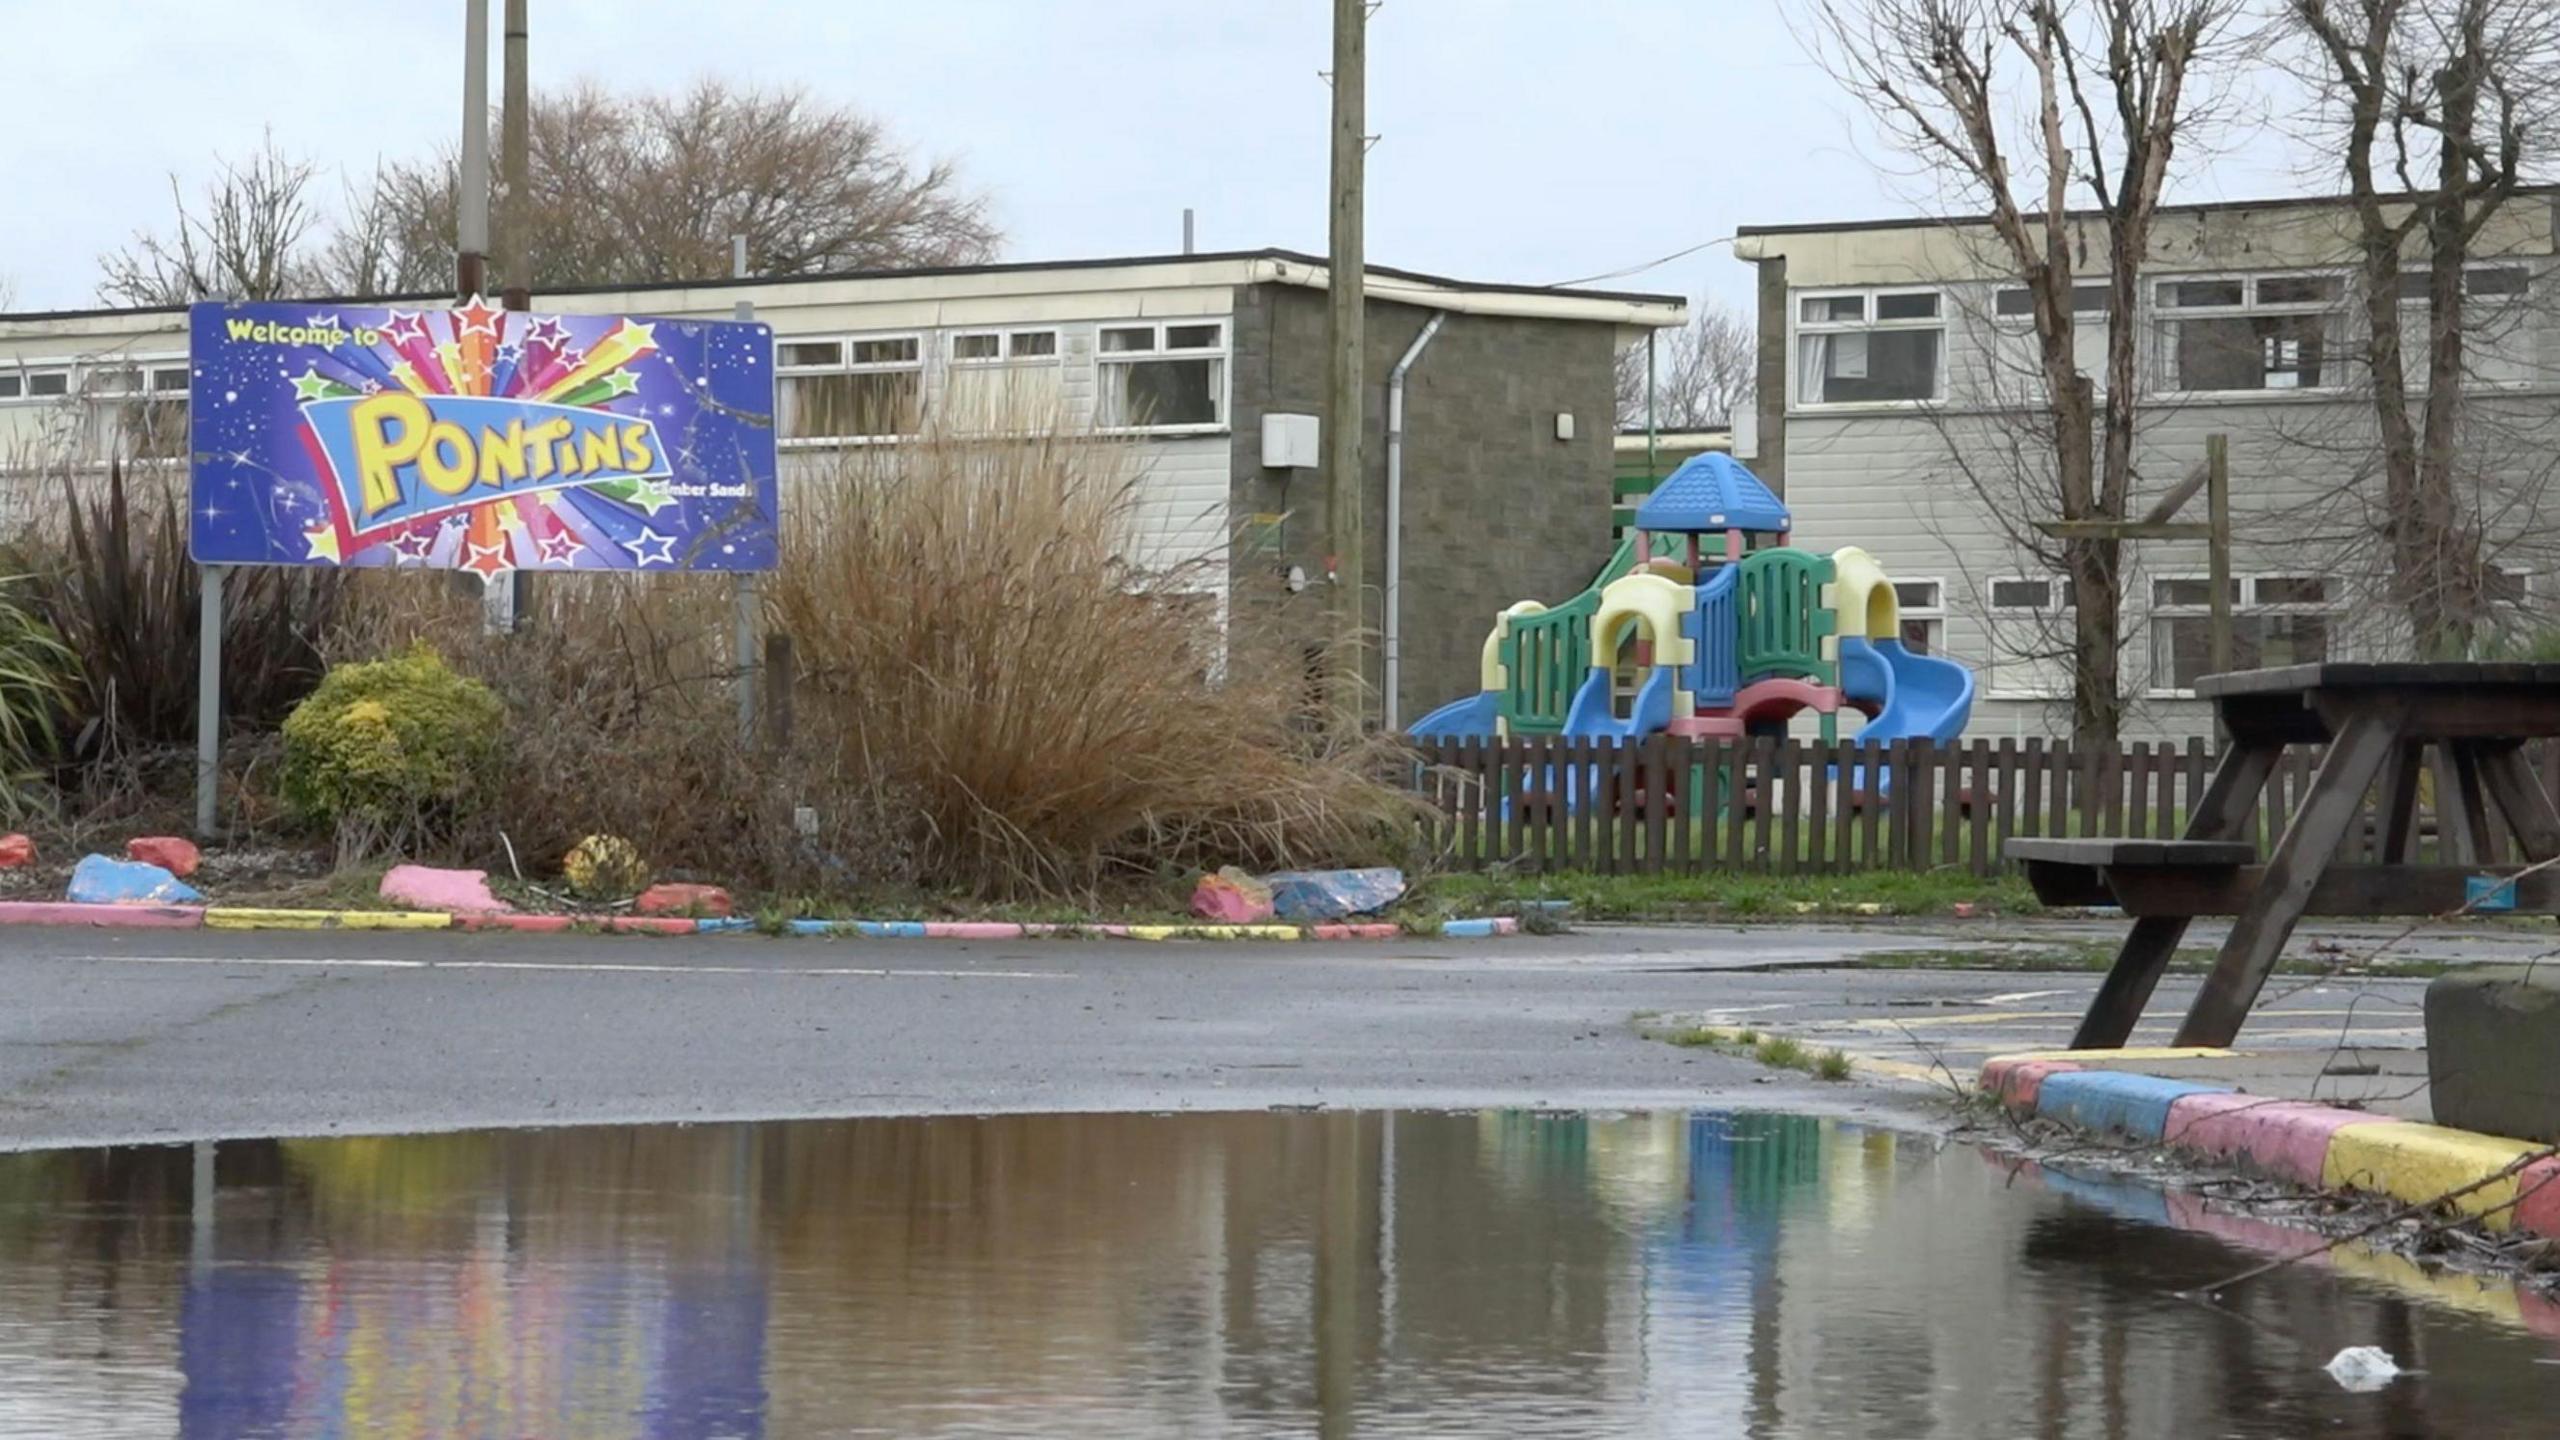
x: 122, y: 1036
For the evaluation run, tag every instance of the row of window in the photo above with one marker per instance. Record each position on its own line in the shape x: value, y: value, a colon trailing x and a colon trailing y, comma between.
x: 1168, y: 375
x: 2213, y: 335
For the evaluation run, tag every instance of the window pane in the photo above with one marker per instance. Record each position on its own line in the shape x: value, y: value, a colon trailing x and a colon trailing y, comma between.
x: 2499, y: 280
x: 2021, y: 594
x: 2085, y: 300
x: 2200, y: 292
x: 837, y: 407
x: 1920, y: 637
x: 114, y: 382
x: 1825, y: 309
x: 1906, y: 307
x: 2188, y: 592
x: 2292, y: 590
x: 811, y: 352
x: 1916, y: 594
x: 2504, y: 586
x: 984, y: 399
x: 2412, y: 285
x: 899, y: 351
x: 976, y: 347
x: 11, y: 386
x: 1028, y: 343
x: 2013, y: 301
x: 2300, y: 289
x: 1191, y: 337
x: 173, y: 378
x: 49, y: 382
x: 1871, y: 365
x: 1161, y: 392
x: 2252, y: 352
x: 1136, y: 337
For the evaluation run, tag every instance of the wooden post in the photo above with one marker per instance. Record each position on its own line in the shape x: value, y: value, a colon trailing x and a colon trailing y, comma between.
x: 2217, y: 459
x: 1346, y: 480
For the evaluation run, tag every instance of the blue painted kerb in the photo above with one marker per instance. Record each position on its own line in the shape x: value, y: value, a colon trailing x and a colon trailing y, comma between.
x: 2136, y: 1105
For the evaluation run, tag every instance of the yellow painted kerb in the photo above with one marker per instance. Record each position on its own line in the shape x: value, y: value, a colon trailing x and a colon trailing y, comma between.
x: 2412, y: 1163
x: 246, y: 917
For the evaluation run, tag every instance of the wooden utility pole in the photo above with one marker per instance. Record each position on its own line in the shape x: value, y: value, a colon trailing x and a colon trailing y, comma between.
x: 1344, y: 417
x: 471, y: 206
x: 515, y: 127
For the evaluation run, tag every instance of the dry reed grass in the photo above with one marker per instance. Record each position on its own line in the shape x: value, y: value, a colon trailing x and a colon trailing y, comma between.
x: 971, y: 628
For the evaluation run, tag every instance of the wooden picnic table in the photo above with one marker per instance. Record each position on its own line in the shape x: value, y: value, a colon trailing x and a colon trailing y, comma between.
x: 2378, y: 723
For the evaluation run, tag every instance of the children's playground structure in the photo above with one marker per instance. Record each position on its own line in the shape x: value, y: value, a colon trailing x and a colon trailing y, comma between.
x: 1706, y: 623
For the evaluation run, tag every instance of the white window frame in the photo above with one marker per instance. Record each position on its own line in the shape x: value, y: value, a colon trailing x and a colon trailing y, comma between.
x: 1004, y: 359
x: 1798, y: 328
x: 2245, y: 604
x: 847, y: 365
x: 2515, y: 306
x: 25, y: 371
x: 1221, y: 355
x: 2337, y: 341
x: 2057, y: 602
x: 1935, y: 615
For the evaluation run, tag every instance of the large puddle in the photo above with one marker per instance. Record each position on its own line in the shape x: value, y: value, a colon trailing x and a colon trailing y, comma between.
x: 1502, y: 1273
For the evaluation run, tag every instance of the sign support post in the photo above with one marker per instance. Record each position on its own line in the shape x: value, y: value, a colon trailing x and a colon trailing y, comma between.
x: 748, y: 640
x: 209, y: 696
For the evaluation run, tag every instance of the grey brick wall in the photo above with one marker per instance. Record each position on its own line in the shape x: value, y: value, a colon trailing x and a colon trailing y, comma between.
x: 1496, y: 509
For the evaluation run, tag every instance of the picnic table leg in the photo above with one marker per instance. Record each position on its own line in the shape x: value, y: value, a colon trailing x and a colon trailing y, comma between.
x: 2228, y: 801
x: 2267, y: 921
x: 2473, y: 812
x: 2510, y: 780
x: 2397, y: 819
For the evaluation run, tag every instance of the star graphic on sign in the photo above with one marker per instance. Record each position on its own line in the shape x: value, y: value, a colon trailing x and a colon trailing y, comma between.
x: 663, y: 545
x: 406, y: 374
x: 478, y: 317
x: 405, y: 326
x: 560, y: 548
x: 323, y: 540
x: 652, y: 496
x: 547, y: 331
x: 487, y: 561
x: 620, y: 382
x: 309, y: 386
x: 412, y: 545
x: 321, y: 322
x: 642, y: 336
x: 511, y: 352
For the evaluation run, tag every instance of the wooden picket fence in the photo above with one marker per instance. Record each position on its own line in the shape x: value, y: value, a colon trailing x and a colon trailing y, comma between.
x: 1666, y: 804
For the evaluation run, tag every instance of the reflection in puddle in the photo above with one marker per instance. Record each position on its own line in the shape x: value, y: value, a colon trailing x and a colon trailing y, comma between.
x: 1425, y: 1274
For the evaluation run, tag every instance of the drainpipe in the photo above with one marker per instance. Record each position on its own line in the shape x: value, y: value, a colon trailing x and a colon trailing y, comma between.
x: 1395, y: 520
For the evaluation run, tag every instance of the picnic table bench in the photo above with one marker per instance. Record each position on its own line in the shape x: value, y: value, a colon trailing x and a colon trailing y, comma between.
x: 2378, y: 723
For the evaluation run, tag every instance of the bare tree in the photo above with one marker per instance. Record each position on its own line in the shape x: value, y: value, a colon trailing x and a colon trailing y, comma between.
x: 2015, y: 107
x: 2444, y: 108
x: 624, y: 190
x: 650, y: 189
x: 1702, y: 372
x: 245, y: 237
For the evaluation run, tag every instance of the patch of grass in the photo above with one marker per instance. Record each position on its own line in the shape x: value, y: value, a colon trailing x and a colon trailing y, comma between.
x: 1746, y: 1037
x: 1729, y: 896
x: 1779, y: 1052
x: 1831, y: 1065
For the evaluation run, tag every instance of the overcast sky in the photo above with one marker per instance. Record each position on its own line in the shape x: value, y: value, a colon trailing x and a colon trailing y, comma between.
x: 1528, y: 141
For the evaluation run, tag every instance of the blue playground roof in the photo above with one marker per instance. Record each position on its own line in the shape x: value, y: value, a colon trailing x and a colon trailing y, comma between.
x: 1712, y: 492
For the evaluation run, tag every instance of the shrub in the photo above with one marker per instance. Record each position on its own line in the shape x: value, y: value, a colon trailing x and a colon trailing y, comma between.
x: 112, y: 578
x: 392, y: 753
x: 983, y: 637
x: 604, y: 867
x: 34, y: 684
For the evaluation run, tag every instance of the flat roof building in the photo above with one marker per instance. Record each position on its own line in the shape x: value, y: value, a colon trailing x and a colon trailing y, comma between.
x: 1213, y: 364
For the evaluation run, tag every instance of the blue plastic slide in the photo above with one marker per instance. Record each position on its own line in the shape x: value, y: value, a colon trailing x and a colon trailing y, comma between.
x: 1921, y: 697
x: 1460, y: 719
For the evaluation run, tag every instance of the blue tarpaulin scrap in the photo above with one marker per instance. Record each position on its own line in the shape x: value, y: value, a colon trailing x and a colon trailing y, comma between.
x: 1318, y: 895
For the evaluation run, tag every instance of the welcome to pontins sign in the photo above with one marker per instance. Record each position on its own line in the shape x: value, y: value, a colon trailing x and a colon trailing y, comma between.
x: 479, y: 439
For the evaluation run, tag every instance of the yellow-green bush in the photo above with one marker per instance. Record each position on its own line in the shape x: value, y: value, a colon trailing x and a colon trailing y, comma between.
x: 391, y: 752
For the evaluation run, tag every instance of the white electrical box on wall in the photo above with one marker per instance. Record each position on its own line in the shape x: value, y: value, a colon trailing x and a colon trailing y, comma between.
x: 1564, y: 424
x: 1289, y: 442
